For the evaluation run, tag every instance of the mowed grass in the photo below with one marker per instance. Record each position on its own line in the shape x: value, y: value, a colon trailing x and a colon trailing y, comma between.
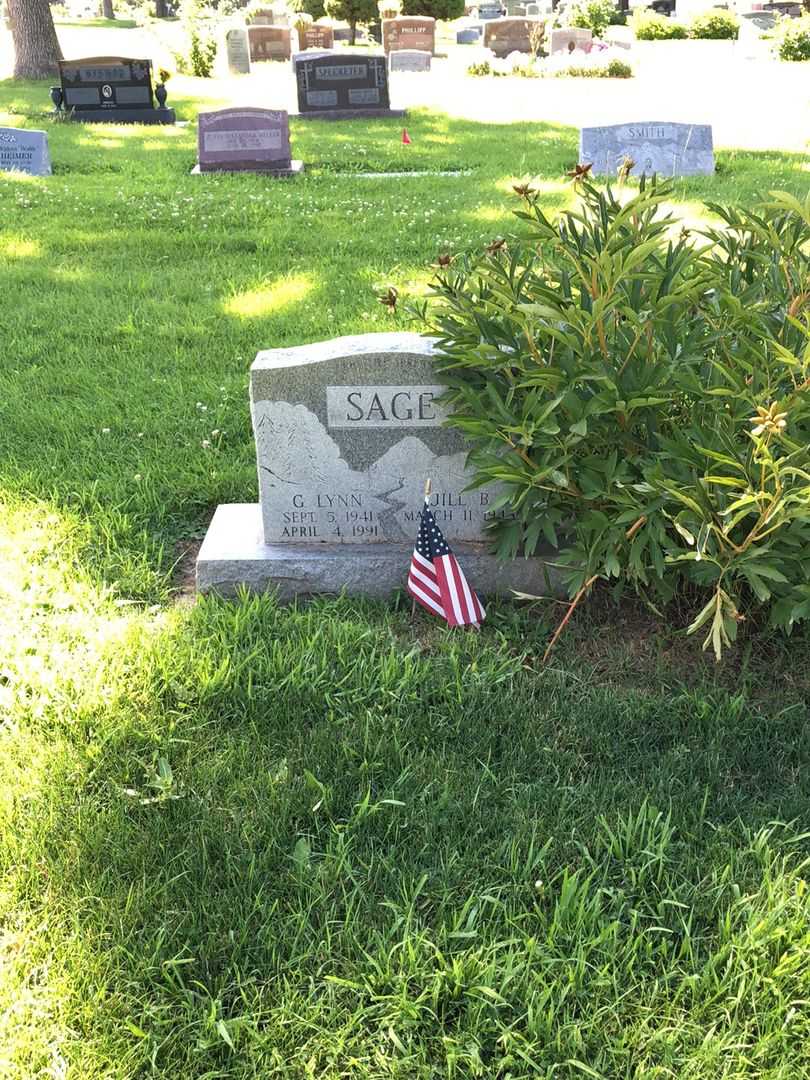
x: 241, y: 840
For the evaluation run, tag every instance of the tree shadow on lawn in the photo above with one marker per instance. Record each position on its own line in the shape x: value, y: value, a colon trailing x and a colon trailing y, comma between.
x: 235, y: 806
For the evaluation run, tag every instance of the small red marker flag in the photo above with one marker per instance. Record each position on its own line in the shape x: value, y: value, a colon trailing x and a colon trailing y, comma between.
x: 406, y: 139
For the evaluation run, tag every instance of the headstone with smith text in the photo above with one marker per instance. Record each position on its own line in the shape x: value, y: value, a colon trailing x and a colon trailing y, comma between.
x: 269, y: 43
x: 409, y: 32
x: 339, y: 86
x: 110, y: 89
x: 245, y: 140
x: 347, y: 431
x: 24, y: 150
x: 660, y: 147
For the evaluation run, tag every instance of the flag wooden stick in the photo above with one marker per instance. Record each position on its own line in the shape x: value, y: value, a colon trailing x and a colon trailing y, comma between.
x: 427, y: 496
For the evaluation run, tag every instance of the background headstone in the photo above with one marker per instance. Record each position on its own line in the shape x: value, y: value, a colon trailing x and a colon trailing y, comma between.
x: 489, y: 11
x: 116, y: 89
x: 504, y: 36
x: 409, y: 32
x: 346, y: 433
x: 469, y: 36
x: 238, y: 51
x: 245, y: 140
x: 562, y: 40
x: 654, y: 146
x: 409, y: 60
x: 24, y: 150
x: 269, y: 43
x: 262, y: 17
x: 316, y: 36
x: 343, y: 85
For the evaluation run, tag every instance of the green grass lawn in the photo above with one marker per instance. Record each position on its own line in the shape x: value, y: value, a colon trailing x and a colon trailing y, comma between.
x: 240, y: 840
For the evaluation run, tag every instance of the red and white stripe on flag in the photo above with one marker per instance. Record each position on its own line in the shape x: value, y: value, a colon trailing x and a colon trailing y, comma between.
x: 442, y: 588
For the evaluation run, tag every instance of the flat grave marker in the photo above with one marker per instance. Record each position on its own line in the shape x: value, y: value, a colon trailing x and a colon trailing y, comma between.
x: 339, y: 86
x: 668, y: 149
x: 346, y: 433
x: 245, y: 140
x: 24, y: 150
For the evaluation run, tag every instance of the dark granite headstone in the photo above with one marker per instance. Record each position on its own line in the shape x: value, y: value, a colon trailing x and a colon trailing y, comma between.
x: 111, y: 89
x: 269, y: 43
x: 25, y: 151
x: 409, y: 32
x: 469, y: 36
x: 342, y: 86
x: 245, y: 140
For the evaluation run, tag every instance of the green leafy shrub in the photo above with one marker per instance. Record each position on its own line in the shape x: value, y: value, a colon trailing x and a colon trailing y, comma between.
x: 643, y: 397
x: 793, y: 39
x: 616, y: 69
x: 648, y: 26
x: 716, y: 25
x: 592, y: 15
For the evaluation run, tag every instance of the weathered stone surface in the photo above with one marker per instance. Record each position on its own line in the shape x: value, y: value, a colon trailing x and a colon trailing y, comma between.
x: 409, y: 60
x: 237, y: 51
x: 409, y: 32
x: 244, y: 140
x: 505, y: 36
x: 570, y: 39
x: 653, y: 146
x: 335, y: 86
x: 347, y: 431
x: 234, y: 556
x: 269, y: 43
x: 24, y: 150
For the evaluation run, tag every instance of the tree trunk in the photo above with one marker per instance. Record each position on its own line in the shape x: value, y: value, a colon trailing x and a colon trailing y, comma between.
x: 353, y: 28
x: 107, y: 9
x: 161, y: 11
x: 36, y: 47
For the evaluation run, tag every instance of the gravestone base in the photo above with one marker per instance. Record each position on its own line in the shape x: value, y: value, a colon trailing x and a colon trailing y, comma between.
x: 123, y: 116
x: 295, y: 168
x: 352, y: 114
x: 234, y: 555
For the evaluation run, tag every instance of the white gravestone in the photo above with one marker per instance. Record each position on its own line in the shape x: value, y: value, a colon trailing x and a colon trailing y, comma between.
x: 23, y: 150
x: 660, y: 147
x: 347, y: 431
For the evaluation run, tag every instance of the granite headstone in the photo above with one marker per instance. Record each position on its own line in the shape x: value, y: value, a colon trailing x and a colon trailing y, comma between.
x: 471, y: 35
x: 269, y: 43
x: 409, y: 32
x: 338, y: 86
x: 237, y: 51
x: 316, y: 36
x: 489, y: 10
x: 245, y: 140
x: 347, y: 431
x: 409, y: 60
x: 262, y: 17
x: 24, y: 150
x: 110, y: 89
x: 505, y: 36
x: 569, y: 39
x: 653, y: 146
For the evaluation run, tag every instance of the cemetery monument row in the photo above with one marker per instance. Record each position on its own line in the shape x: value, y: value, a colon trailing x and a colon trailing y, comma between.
x: 110, y: 89
x: 347, y: 431
x: 654, y: 147
x: 23, y: 150
x: 409, y: 32
x: 245, y: 140
x: 339, y: 86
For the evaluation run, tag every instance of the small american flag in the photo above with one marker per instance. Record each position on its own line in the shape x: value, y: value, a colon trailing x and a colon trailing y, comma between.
x: 437, y: 582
